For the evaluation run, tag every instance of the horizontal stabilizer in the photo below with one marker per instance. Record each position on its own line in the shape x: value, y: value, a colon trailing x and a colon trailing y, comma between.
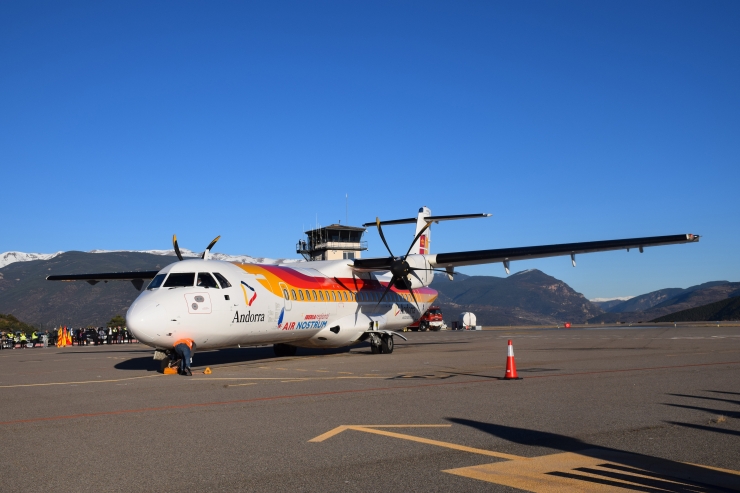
x: 429, y: 219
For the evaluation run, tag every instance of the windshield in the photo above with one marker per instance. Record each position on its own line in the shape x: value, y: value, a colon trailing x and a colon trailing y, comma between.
x: 224, y: 283
x: 180, y: 279
x: 434, y: 312
x: 205, y: 280
x: 157, y: 281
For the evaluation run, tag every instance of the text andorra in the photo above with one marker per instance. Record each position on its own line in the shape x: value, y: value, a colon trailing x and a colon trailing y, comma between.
x: 248, y: 317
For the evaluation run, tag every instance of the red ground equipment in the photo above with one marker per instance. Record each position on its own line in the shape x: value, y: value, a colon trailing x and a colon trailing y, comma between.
x: 431, y: 320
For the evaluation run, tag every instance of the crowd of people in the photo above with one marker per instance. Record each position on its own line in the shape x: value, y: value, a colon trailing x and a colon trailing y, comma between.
x: 90, y: 336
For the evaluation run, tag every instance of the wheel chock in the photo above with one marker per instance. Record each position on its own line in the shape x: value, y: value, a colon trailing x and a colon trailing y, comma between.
x: 170, y: 371
x: 207, y: 371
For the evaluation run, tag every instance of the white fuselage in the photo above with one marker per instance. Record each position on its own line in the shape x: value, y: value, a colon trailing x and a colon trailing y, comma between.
x: 314, y: 304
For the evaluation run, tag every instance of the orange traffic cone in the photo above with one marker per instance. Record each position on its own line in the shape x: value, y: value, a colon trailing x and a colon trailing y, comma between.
x: 510, y: 364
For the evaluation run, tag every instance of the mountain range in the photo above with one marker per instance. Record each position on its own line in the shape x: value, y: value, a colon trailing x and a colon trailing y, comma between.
x: 663, y: 302
x: 529, y: 297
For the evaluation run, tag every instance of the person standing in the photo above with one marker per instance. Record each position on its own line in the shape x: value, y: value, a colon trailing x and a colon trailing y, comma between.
x: 183, y: 348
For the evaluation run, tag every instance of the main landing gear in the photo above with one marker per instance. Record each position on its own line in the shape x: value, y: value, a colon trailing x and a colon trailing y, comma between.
x: 284, y: 350
x: 381, y: 343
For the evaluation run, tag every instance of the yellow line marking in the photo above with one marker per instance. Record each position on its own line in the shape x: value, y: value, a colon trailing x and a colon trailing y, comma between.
x: 346, y: 372
x: 375, y: 430
x: 728, y: 471
x: 75, y: 383
x: 284, y: 378
x: 438, y: 443
x: 241, y: 384
x: 340, y: 429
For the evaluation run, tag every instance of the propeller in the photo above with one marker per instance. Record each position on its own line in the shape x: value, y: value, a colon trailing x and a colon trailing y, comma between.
x: 177, y: 248
x: 399, y: 267
x: 206, y: 252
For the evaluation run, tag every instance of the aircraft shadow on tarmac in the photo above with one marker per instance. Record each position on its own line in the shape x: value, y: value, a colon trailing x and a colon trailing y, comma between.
x: 493, y: 377
x: 223, y: 357
x: 715, y: 412
x: 646, y: 473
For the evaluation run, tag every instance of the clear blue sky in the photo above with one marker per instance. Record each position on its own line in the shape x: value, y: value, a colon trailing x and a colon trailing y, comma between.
x: 124, y: 122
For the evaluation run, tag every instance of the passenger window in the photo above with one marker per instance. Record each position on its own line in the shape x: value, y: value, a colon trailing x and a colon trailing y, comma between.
x: 321, y: 296
x: 205, y: 280
x: 180, y: 280
x: 224, y: 283
x: 327, y: 295
x: 292, y: 292
x: 314, y: 296
x: 334, y: 295
x: 285, y: 293
x: 157, y: 281
x: 301, y: 294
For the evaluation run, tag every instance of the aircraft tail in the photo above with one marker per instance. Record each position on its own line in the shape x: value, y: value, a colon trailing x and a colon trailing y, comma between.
x: 422, y: 244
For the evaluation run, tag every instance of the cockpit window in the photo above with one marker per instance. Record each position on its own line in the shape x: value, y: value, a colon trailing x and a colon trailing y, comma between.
x: 224, y: 283
x: 180, y: 279
x: 206, y: 280
x: 157, y: 281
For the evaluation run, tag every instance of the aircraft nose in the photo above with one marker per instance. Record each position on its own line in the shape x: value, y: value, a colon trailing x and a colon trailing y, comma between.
x: 146, y: 320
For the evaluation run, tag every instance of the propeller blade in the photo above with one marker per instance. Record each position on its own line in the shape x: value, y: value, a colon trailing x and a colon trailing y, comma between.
x: 210, y: 245
x: 436, y: 270
x: 408, y: 286
x: 417, y: 237
x: 382, y: 236
x: 387, y: 288
x: 177, y: 248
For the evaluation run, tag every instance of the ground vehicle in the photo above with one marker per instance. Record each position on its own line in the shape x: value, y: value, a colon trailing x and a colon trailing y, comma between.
x: 431, y: 320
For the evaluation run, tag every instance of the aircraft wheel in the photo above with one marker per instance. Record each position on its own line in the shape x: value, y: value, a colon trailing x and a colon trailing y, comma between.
x: 164, y: 363
x: 386, y: 344
x: 284, y: 350
x: 374, y: 349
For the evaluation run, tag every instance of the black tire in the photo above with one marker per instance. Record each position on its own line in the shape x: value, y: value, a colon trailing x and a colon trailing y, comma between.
x: 374, y: 349
x: 284, y: 350
x: 423, y: 326
x: 386, y: 344
x: 164, y: 363
x: 435, y: 328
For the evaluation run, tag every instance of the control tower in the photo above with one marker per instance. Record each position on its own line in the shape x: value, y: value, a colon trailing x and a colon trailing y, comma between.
x: 332, y: 243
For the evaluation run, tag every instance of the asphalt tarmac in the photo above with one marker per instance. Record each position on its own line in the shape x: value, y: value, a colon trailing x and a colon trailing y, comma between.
x: 605, y: 409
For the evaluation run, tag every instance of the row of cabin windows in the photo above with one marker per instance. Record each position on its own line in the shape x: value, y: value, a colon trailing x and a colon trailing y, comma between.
x: 185, y: 279
x: 318, y: 295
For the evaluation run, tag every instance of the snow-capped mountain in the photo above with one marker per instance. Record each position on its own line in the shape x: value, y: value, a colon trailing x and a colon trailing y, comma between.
x: 11, y: 257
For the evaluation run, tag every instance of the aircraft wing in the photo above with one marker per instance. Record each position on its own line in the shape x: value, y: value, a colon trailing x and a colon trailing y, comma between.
x: 525, y: 253
x: 136, y: 278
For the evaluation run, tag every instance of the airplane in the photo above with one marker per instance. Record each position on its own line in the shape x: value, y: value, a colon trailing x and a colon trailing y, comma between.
x: 318, y: 304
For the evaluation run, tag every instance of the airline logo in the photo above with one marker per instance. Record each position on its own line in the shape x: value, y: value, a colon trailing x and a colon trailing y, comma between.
x: 249, y: 298
x: 423, y: 244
